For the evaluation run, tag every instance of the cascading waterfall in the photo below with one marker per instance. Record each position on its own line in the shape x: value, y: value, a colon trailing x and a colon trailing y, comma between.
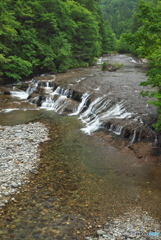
x: 95, y: 114
x: 56, y: 105
x: 19, y: 94
x: 101, y: 110
x: 50, y: 99
x: 83, y: 104
x: 56, y: 100
x: 32, y: 87
x: 133, y: 137
x: 117, y: 130
x: 98, y: 105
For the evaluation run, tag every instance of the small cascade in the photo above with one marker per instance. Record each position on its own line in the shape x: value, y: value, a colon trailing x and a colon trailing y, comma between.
x: 19, y: 94
x: 94, y: 108
x: 100, y: 111
x: 133, y: 137
x: 60, y: 104
x: 47, y: 85
x: 118, y: 130
x: 156, y: 140
x: 32, y: 87
x: 57, y: 105
x: 56, y: 100
x: 49, y: 101
x: 82, y: 105
x: 64, y: 92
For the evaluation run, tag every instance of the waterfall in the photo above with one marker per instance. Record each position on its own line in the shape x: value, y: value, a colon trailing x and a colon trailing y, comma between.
x: 93, y: 114
x: 32, y: 87
x: 57, y: 105
x: 81, y: 106
x: 19, y: 94
x: 133, y: 137
x: 94, y: 108
x: 118, y: 130
x: 101, y: 110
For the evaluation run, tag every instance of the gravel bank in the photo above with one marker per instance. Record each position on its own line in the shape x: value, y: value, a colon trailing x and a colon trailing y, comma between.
x: 19, y: 155
x: 136, y: 224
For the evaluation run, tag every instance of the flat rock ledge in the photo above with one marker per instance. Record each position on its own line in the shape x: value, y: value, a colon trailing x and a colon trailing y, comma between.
x: 19, y: 156
x: 136, y: 224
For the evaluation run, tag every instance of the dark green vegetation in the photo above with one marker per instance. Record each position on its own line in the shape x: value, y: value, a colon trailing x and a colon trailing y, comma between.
x: 120, y: 14
x: 50, y: 35
x: 146, y: 43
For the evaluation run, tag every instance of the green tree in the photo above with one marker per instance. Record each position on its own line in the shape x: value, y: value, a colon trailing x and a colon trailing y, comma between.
x: 50, y: 35
x: 86, y: 38
x: 147, y: 42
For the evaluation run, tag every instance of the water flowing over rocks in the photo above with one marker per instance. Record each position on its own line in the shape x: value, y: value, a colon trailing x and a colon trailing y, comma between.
x: 108, y: 101
x: 102, y: 100
x: 19, y: 155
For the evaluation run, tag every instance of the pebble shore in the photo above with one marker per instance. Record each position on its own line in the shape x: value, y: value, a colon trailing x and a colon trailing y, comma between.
x: 19, y: 156
x: 136, y: 224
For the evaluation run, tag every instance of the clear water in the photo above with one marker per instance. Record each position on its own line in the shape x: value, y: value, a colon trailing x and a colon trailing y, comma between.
x: 80, y: 180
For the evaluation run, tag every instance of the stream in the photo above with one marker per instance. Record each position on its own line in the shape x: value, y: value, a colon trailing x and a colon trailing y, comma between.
x: 82, y: 181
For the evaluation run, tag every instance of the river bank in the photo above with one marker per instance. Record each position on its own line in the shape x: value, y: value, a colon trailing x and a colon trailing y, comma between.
x: 19, y: 156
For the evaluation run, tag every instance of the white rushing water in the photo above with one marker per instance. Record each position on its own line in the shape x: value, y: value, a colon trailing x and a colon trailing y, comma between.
x: 19, y: 94
x: 56, y: 105
x: 85, y: 98
x: 100, y: 111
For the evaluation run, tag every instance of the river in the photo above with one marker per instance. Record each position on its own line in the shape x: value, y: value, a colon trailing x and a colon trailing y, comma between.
x: 82, y: 181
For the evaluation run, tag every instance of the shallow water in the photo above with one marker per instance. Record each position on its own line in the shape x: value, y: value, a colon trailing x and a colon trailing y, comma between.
x: 81, y: 181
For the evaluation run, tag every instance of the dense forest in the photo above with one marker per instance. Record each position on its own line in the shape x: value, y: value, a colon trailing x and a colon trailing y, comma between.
x: 120, y: 14
x: 50, y: 35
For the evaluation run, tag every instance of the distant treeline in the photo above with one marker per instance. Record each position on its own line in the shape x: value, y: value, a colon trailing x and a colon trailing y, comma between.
x: 120, y: 14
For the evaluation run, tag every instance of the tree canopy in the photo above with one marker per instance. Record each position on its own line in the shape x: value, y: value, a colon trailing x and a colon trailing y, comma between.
x: 50, y: 35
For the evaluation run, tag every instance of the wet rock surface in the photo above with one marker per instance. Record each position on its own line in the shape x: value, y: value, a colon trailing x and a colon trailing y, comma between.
x: 120, y: 91
x: 19, y: 156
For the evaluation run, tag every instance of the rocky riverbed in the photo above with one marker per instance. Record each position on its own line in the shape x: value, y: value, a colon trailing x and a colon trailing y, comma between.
x: 136, y: 224
x: 19, y: 156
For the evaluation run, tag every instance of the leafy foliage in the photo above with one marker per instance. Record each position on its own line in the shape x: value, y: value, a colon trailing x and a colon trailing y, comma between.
x: 147, y: 41
x: 50, y: 35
